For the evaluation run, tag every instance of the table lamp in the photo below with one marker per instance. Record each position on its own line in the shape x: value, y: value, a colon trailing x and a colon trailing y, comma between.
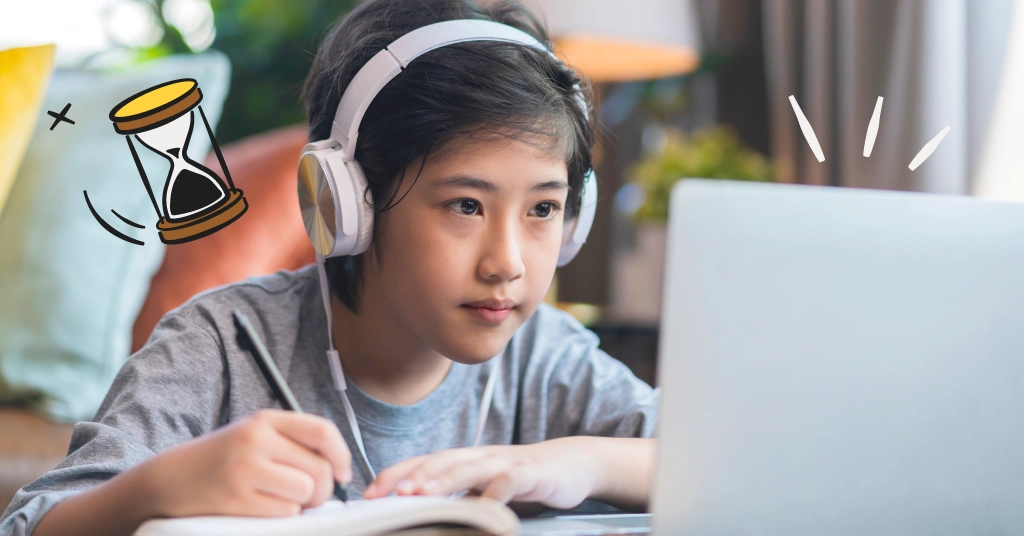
x: 617, y: 41
x: 614, y: 41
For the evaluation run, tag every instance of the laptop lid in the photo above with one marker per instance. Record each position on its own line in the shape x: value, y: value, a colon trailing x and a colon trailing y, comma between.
x: 840, y: 361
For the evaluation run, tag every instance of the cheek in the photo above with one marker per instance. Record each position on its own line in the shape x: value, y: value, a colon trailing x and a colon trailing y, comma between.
x: 423, y: 264
x: 541, y: 257
x: 431, y: 267
x: 540, y: 270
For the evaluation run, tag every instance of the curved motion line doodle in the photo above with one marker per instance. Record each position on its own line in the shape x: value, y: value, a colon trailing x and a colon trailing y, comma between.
x: 110, y: 229
x: 126, y: 220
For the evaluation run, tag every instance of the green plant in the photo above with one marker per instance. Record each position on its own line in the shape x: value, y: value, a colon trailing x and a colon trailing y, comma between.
x: 270, y: 43
x: 713, y: 153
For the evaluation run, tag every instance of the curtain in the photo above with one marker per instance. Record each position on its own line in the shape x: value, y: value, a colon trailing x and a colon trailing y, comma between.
x: 999, y: 172
x: 936, y: 63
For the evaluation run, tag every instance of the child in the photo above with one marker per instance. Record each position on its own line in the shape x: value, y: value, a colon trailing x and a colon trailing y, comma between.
x: 474, y: 155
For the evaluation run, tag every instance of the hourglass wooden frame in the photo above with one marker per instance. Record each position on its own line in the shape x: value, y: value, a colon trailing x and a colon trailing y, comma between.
x: 156, y: 107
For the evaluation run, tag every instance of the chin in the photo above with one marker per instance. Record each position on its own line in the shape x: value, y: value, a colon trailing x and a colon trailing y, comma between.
x: 465, y: 339
x: 476, y: 348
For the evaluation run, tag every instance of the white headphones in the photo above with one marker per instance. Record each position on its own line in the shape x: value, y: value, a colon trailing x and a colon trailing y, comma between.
x: 332, y: 184
x: 331, y: 181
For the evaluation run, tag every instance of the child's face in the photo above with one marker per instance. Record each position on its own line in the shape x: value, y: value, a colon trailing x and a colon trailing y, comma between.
x: 482, y: 223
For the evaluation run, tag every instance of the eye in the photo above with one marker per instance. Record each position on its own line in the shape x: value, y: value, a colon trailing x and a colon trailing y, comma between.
x: 464, y: 207
x: 546, y: 209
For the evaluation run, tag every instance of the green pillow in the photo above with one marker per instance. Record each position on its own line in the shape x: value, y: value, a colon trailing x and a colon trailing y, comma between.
x: 69, y: 290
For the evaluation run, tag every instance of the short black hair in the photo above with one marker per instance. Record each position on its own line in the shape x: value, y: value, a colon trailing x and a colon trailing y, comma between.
x: 446, y: 96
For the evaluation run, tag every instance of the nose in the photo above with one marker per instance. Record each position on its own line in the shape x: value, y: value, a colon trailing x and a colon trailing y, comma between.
x: 502, y: 258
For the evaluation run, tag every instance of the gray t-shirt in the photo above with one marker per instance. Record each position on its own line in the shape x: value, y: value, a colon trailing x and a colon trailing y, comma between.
x: 192, y: 377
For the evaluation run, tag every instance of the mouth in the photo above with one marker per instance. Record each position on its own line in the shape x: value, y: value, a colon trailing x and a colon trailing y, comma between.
x: 491, y: 309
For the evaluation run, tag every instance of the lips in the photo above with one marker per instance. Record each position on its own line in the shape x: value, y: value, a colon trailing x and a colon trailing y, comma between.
x: 491, y: 309
x: 492, y: 303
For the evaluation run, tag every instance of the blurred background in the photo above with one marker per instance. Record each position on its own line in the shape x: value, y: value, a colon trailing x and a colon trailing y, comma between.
x: 683, y: 88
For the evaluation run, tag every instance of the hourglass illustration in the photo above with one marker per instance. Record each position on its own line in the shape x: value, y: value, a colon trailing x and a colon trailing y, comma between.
x: 195, y: 201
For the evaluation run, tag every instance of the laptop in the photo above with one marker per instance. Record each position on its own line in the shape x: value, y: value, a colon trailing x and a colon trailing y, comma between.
x: 840, y: 361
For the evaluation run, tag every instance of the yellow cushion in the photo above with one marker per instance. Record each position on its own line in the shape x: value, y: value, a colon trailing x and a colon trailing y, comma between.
x: 23, y: 75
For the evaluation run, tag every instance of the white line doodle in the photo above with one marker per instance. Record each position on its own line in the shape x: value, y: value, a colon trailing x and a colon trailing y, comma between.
x: 869, y: 141
x: 928, y: 149
x: 805, y: 126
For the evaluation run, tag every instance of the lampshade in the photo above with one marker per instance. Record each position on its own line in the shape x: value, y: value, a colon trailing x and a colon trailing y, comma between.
x: 616, y: 40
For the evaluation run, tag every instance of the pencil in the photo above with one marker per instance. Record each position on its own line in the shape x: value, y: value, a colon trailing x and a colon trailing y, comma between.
x: 250, y: 339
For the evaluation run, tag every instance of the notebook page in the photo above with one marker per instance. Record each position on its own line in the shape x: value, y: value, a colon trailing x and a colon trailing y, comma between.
x: 340, y: 519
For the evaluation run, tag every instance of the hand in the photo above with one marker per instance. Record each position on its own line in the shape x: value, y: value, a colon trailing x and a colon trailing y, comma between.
x: 272, y: 463
x: 558, y: 473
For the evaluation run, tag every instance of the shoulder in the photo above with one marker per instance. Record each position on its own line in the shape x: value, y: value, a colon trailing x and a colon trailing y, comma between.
x: 553, y: 339
x: 262, y: 287
x: 269, y: 296
x: 192, y: 352
x: 550, y: 327
x: 569, y: 386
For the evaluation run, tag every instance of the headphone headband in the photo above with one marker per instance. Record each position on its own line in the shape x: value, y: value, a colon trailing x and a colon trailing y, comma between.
x: 332, y: 187
x: 390, y: 61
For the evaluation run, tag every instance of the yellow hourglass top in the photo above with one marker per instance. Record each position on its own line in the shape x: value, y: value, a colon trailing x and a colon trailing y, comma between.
x: 155, y: 106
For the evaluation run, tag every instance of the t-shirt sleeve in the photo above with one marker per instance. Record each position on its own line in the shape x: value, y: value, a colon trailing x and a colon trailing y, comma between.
x: 572, y: 387
x: 168, y: 392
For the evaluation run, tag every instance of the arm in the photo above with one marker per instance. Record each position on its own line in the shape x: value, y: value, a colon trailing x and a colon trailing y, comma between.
x: 559, y: 473
x: 165, y: 394
x: 625, y: 471
x: 272, y: 463
x: 114, y: 508
x: 153, y: 450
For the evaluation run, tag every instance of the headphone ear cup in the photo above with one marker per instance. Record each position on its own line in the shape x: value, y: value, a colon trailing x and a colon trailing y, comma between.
x: 337, y: 209
x: 575, y: 231
x: 323, y: 209
x: 355, y: 215
x: 364, y: 204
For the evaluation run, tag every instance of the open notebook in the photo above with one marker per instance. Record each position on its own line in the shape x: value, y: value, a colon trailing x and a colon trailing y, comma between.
x: 354, y: 518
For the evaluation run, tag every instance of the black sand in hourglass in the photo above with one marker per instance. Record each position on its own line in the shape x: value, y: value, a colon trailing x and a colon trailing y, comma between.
x: 192, y: 191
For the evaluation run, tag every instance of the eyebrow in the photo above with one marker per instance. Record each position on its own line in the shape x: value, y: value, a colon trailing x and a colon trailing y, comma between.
x: 462, y: 181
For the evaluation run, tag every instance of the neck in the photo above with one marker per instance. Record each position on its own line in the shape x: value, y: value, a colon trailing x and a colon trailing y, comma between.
x: 380, y: 355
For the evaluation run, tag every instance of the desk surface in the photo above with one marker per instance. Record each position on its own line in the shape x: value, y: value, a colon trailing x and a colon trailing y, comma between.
x: 569, y: 525
x: 592, y: 524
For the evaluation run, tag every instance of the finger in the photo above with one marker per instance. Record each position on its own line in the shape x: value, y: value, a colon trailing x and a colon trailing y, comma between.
x: 442, y: 462
x: 474, y: 474
x: 282, y: 481
x: 316, y: 433
x: 386, y: 479
x: 282, y: 449
x: 519, y: 482
x: 408, y: 479
x: 437, y: 465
